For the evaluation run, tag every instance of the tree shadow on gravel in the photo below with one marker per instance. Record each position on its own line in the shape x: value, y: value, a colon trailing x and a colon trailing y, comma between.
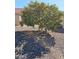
x: 31, y: 45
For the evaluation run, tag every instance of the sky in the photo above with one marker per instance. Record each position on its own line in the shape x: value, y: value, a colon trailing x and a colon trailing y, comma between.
x: 22, y: 3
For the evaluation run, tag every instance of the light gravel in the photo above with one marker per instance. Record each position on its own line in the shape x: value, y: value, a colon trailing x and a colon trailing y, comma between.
x: 56, y: 52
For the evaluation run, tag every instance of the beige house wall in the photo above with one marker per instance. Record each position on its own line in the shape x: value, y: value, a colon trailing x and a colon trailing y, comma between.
x: 17, y: 22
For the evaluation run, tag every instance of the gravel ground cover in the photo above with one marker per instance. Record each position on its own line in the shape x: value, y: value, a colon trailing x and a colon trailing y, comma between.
x: 52, y: 47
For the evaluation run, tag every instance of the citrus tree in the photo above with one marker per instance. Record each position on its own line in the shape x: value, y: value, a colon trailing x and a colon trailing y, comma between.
x: 46, y: 16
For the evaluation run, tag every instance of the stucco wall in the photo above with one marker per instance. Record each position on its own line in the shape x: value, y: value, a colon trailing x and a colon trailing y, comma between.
x: 17, y: 22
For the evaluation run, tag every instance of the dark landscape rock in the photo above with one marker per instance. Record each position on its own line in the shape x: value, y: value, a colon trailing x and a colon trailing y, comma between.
x: 60, y: 29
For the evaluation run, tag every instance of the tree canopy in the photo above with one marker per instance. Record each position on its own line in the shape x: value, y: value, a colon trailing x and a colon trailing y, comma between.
x: 46, y: 16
